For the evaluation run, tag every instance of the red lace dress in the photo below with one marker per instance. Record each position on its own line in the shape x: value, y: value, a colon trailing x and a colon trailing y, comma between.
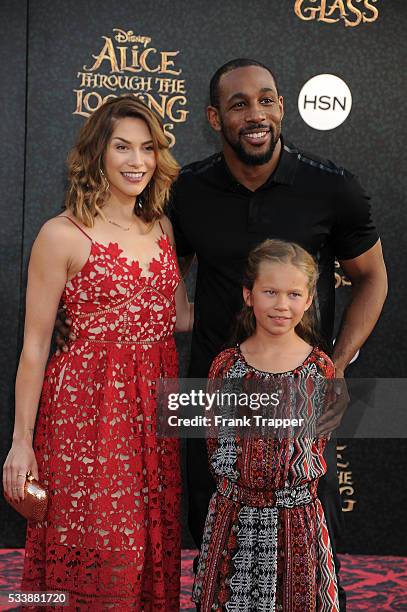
x: 111, y: 538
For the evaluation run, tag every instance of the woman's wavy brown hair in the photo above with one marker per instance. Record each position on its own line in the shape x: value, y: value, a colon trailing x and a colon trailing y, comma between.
x: 88, y: 188
x: 279, y: 251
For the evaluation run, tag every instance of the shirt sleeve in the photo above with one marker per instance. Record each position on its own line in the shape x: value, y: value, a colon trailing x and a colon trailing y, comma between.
x: 182, y: 244
x: 354, y: 232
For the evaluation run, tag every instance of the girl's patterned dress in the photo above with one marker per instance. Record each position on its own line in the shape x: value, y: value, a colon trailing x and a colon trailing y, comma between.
x: 266, y: 544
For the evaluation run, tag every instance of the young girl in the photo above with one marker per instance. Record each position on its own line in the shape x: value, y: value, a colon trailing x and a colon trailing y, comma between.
x: 266, y: 544
x: 111, y: 538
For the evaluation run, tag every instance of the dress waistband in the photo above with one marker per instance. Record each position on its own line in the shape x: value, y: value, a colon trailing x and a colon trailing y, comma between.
x: 126, y: 342
x: 119, y: 341
x: 281, y: 498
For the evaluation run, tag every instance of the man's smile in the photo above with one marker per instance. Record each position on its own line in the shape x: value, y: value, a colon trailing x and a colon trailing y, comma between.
x: 256, y: 136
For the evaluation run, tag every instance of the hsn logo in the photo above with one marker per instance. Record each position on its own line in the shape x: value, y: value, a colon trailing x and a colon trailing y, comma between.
x: 324, y: 102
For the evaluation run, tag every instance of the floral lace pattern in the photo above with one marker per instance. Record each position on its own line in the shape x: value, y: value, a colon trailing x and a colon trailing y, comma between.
x: 111, y: 537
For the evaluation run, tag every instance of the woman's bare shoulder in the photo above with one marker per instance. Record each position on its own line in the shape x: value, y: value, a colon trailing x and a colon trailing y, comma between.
x: 59, y: 233
x: 65, y: 223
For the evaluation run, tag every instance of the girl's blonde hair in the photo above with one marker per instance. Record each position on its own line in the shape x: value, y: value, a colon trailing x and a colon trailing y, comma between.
x: 279, y: 251
x: 88, y: 188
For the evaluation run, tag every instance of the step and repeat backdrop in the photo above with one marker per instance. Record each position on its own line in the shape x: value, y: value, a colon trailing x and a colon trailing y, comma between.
x: 338, y: 65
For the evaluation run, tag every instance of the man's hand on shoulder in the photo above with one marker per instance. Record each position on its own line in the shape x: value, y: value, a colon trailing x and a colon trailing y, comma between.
x: 63, y: 331
x: 332, y: 418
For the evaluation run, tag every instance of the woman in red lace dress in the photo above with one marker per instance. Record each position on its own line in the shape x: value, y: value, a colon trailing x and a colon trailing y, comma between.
x: 111, y: 538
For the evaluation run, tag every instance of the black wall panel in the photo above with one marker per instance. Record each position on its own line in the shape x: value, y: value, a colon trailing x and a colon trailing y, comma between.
x: 13, y: 44
x: 65, y: 35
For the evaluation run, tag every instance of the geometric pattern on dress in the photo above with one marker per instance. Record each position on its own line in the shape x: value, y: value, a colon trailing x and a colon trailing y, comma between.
x: 293, y: 496
x: 253, y: 584
x: 327, y: 588
x: 224, y: 458
x: 307, y: 463
x: 199, y: 577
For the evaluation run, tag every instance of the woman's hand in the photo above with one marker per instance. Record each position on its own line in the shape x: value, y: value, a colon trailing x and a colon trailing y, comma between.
x: 20, y: 460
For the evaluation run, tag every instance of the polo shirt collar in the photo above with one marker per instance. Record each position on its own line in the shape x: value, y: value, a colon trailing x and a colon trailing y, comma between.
x: 287, y: 165
x: 284, y: 173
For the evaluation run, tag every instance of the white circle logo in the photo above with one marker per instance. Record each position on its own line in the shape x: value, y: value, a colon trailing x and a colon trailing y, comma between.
x: 324, y: 102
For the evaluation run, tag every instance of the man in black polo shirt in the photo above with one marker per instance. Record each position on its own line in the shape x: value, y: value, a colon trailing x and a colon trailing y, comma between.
x: 259, y: 187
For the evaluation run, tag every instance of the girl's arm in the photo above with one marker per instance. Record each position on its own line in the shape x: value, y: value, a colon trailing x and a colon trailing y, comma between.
x: 47, y: 275
x: 184, y: 308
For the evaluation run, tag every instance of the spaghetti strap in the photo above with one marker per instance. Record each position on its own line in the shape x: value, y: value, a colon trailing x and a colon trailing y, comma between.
x: 77, y: 225
x: 161, y: 227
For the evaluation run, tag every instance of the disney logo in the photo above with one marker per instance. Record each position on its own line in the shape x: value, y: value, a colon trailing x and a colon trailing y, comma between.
x: 122, y: 36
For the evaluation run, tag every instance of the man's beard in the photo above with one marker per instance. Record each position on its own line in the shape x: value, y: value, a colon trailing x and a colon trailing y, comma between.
x: 251, y: 159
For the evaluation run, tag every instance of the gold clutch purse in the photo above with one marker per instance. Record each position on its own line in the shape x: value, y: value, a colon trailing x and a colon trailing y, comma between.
x: 34, y: 505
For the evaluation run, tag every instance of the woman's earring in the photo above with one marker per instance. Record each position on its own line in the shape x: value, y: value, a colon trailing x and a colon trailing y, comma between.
x: 104, y: 180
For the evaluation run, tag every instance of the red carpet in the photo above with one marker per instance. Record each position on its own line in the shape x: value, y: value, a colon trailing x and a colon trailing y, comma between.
x: 375, y: 584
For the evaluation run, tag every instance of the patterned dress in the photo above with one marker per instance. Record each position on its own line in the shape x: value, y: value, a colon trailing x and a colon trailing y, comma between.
x: 266, y: 546
x: 111, y: 538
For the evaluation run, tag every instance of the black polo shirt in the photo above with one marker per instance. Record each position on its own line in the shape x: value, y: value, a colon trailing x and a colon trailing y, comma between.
x: 306, y: 200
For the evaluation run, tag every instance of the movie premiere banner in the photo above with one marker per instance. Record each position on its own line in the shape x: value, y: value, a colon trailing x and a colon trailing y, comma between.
x: 338, y: 65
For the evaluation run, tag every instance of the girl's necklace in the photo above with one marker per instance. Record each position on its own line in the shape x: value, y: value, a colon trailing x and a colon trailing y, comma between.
x: 125, y: 229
